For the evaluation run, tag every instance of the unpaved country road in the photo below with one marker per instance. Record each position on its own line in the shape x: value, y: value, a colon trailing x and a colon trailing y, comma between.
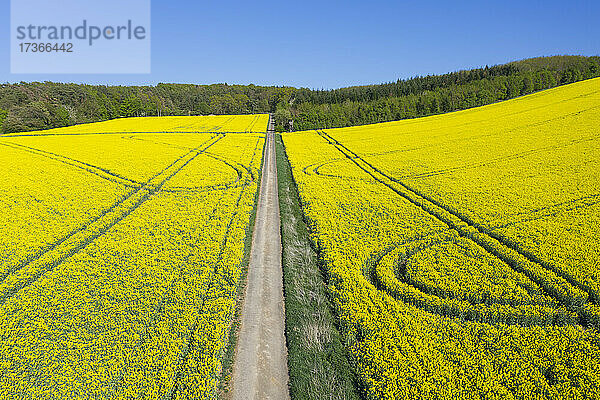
x: 260, y: 368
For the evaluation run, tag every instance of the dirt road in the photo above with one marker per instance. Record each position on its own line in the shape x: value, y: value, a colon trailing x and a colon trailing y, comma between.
x: 260, y: 368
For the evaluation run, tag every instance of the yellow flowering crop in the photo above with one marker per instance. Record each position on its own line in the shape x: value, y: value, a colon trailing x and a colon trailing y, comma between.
x: 121, y: 254
x: 213, y: 123
x: 462, y: 249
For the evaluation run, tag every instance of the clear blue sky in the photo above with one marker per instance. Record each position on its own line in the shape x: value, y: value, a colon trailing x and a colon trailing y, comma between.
x: 327, y: 44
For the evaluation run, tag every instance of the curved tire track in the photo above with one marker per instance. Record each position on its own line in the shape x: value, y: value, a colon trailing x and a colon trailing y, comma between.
x: 27, y: 273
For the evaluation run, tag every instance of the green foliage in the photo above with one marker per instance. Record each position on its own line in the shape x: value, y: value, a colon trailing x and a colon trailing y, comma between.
x: 429, y: 95
x: 282, y: 117
x: 42, y: 105
x: 309, y: 109
x: 3, y: 115
x: 35, y: 116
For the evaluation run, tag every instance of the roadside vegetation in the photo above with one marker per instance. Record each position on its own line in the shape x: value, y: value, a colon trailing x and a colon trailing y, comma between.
x: 319, y: 368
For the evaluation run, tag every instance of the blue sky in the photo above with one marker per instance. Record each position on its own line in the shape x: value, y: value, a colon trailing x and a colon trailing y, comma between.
x: 328, y: 44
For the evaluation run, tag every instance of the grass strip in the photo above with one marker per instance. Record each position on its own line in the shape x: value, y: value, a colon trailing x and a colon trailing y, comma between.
x: 317, y: 360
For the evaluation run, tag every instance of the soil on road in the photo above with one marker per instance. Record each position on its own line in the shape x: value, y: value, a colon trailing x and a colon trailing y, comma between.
x: 260, y: 368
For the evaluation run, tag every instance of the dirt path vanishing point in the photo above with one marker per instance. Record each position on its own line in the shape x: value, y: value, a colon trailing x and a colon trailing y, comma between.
x: 260, y: 368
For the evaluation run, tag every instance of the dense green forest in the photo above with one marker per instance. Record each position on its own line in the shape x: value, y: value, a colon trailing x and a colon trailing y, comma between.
x: 421, y: 96
x: 41, y: 105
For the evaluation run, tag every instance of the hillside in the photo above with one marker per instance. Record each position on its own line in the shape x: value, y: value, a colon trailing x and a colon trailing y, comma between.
x: 461, y: 249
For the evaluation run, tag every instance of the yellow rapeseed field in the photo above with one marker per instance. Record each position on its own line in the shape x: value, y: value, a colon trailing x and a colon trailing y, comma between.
x: 462, y: 249
x: 121, y: 250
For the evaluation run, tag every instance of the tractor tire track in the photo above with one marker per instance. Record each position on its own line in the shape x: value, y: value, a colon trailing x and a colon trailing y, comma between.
x: 240, y: 169
x: 159, y: 310
x: 553, y: 281
x: 93, y: 169
x: 45, y: 249
x: 30, y: 272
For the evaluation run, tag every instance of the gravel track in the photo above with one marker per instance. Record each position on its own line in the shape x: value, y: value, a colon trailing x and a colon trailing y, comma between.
x: 260, y: 368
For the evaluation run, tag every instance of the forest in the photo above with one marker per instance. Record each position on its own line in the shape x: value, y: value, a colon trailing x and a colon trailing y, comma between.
x: 28, y: 106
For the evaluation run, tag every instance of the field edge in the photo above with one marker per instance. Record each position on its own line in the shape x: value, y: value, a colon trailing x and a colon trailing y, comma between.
x: 317, y: 361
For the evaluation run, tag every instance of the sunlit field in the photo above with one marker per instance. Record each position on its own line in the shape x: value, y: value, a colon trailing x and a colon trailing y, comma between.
x: 461, y: 249
x: 121, y: 250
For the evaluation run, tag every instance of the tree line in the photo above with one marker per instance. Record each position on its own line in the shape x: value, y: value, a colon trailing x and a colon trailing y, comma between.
x: 40, y: 105
x: 422, y: 96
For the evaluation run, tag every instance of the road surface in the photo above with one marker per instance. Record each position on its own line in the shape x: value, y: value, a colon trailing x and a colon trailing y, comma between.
x: 260, y: 368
